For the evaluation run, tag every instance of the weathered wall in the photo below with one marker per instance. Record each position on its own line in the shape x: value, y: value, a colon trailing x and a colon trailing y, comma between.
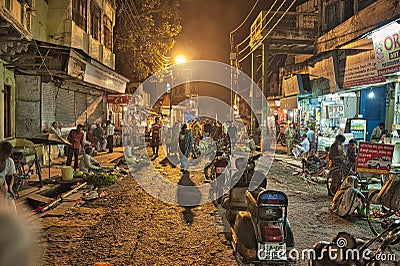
x: 366, y: 20
x: 27, y: 105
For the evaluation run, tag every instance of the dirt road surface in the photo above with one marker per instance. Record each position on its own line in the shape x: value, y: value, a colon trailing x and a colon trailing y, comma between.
x: 129, y: 227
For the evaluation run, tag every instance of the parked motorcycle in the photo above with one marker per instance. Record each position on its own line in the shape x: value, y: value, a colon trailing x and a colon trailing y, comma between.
x: 261, y: 234
x: 345, y: 249
x: 220, y: 164
x: 239, y: 184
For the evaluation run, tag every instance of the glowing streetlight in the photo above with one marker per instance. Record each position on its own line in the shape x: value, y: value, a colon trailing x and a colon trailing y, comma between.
x: 180, y: 59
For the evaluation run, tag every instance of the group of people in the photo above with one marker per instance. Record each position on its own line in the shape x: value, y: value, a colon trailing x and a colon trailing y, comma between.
x: 305, y: 137
x: 192, y: 137
x: 85, y: 139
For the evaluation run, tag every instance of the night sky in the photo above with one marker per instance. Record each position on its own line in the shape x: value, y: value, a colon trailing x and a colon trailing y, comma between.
x: 206, y: 26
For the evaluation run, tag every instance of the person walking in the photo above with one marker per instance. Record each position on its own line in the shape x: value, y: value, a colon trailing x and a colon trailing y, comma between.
x: 185, y: 145
x: 290, y: 133
x: 377, y: 132
x: 155, y: 136
x: 110, y: 136
x: 75, y: 137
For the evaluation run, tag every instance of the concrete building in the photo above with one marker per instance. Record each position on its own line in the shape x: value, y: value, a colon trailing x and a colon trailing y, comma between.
x: 65, y: 69
x: 353, y: 72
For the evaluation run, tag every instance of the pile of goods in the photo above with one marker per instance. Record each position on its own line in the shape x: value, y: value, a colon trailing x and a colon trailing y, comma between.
x: 140, y: 159
x: 108, y: 177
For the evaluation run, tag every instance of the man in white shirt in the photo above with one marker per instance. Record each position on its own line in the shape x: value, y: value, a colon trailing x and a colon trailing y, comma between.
x: 304, y: 147
x: 110, y: 136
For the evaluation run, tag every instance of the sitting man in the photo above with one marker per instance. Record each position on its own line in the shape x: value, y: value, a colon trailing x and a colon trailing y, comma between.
x: 302, y: 148
x: 88, y: 163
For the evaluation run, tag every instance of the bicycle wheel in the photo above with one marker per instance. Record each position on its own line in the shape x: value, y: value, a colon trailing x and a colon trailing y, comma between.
x: 379, y: 217
x: 335, y: 178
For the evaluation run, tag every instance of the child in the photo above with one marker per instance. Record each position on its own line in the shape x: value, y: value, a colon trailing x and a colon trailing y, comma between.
x: 87, y: 163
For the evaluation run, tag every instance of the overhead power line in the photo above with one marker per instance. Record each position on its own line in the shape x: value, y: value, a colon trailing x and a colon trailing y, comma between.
x: 271, y: 29
x: 262, y: 20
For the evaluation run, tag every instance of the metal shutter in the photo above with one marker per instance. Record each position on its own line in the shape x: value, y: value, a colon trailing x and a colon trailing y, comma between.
x: 65, y: 107
x: 48, y: 104
x: 80, y: 108
x: 95, y: 110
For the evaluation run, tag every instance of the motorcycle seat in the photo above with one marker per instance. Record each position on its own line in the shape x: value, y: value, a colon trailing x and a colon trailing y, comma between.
x: 260, y: 211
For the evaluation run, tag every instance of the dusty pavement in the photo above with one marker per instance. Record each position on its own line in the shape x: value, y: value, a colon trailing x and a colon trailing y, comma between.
x: 129, y: 227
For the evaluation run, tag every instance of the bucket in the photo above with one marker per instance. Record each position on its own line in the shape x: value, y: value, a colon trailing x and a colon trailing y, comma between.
x: 67, y: 173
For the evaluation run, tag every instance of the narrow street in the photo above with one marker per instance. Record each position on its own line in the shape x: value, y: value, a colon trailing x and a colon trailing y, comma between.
x: 129, y: 227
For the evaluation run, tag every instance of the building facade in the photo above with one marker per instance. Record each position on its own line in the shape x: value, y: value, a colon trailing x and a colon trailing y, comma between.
x: 65, y: 67
x: 352, y: 77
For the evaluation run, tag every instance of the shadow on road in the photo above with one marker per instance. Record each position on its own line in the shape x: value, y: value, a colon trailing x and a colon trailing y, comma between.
x: 188, y: 198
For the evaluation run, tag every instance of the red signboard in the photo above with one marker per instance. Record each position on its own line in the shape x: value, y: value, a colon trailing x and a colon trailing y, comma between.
x: 374, y: 158
x: 118, y: 99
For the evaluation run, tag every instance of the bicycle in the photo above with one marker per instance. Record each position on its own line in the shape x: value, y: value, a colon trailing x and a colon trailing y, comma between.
x: 24, y: 169
x: 337, y: 174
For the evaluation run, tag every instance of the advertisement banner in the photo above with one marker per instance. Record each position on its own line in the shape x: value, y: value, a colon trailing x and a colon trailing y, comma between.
x: 387, y: 48
x: 374, y: 158
x: 335, y: 111
x: 355, y: 68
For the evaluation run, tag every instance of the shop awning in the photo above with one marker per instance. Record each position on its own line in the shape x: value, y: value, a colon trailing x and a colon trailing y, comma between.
x: 68, y: 64
x: 289, y: 103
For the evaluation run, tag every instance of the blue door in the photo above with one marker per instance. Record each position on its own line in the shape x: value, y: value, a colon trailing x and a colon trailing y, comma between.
x: 373, y: 107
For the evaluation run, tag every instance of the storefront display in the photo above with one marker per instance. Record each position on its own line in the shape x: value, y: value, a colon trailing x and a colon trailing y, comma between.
x: 359, y: 128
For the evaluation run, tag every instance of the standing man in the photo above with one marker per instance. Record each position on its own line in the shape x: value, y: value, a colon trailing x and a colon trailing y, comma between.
x: 75, y: 137
x: 185, y: 145
x: 110, y: 136
x: 155, y: 136
x: 377, y: 132
x: 290, y: 133
x: 311, y: 137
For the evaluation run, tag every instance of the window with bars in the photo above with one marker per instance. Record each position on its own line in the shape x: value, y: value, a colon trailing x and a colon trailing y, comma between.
x: 79, y: 13
x: 95, y: 23
x: 108, y: 33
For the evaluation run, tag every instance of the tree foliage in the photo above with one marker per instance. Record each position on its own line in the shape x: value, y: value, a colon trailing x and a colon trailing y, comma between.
x: 144, y: 33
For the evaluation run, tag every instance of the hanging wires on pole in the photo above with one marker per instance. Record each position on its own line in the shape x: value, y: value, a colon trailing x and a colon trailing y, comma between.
x: 271, y: 29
